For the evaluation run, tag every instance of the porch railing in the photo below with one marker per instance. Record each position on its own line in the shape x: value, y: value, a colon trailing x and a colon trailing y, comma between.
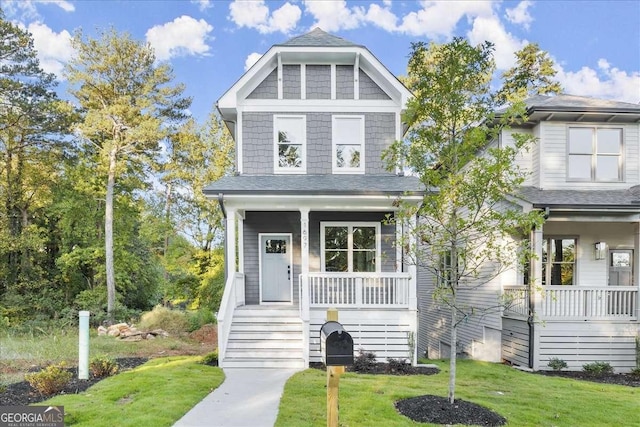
x: 576, y: 302
x: 358, y: 290
x: 232, y: 297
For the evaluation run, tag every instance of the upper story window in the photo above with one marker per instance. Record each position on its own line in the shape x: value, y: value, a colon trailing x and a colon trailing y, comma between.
x: 348, y: 144
x: 595, y: 154
x: 290, y: 140
x: 350, y: 247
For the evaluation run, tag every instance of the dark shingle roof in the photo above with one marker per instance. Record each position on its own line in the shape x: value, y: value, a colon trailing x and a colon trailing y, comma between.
x: 317, y: 184
x: 318, y: 38
x: 578, y: 102
x: 613, y: 199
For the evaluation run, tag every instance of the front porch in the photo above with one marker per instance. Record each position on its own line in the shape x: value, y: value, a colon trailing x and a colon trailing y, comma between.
x: 295, y: 263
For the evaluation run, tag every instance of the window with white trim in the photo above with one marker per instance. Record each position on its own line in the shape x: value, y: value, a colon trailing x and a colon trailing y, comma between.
x: 595, y: 154
x: 350, y: 247
x: 290, y: 147
x: 348, y: 144
x: 559, y: 261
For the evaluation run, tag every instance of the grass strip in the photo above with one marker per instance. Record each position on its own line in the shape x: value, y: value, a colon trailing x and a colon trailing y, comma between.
x: 157, y: 394
x: 524, y: 399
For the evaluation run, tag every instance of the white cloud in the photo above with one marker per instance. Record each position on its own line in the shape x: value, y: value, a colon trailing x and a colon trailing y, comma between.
x: 182, y: 36
x: 335, y: 15
x: 606, y: 82
x: 25, y: 10
x: 252, y: 58
x: 62, y: 4
x: 506, y: 44
x: 439, y: 19
x: 202, y: 4
x: 256, y: 14
x: 382, y: 17
x: 520, y: 14
x: 54, y: 49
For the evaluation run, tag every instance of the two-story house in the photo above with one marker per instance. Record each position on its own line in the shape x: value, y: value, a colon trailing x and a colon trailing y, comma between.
x: 305, y: 212
x: 580, y: 302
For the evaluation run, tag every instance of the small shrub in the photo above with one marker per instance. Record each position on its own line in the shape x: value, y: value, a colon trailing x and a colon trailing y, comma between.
x: 173, y: 321
x: 398, y: 366
x: 103, y: 366
x: 199, y: 318
x: 557, y: 364
x: 50, y: 380
x: 364, y: 361
x: 597, y: 369
x: 635, y: 373
x: 210, y: 359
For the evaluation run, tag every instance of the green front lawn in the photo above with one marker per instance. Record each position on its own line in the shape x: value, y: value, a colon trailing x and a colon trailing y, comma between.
x: 157, y: 394
x: 524, y: 399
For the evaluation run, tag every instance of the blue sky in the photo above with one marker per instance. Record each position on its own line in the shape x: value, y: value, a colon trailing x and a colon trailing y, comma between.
x: 596, y: 44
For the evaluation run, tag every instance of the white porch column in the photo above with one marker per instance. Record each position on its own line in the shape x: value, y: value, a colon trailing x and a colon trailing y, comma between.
x: 399, y: 260
x: 535, y: 288
x: 412, y: 269
x: 304, y: 282
x: 241, y: 242
x: 230, y: 255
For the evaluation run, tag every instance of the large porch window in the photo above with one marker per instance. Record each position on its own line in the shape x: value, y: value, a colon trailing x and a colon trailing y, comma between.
x: 350, y: 247
x: 559, y: 261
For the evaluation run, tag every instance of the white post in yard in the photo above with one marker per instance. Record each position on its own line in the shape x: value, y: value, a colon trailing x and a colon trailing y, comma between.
x: 83, y: 344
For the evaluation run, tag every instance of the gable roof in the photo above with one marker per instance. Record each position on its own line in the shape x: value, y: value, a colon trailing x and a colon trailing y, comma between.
x: 314, y: 46
x: 317, y: 37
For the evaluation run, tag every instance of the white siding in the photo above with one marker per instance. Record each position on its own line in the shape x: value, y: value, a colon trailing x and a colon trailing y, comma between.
x: 592, y: 272
x: 385, y: 332
x: 524, y: 159
x: 578, y: 343
x: 515, y: 342
x: 553, y: 158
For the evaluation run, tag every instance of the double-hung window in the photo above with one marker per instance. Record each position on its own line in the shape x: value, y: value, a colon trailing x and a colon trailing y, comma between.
x: 348, y: 144
x: 290, y: 144
x: 595, y: 154
x: 350, y: 247
x: 559, y: 261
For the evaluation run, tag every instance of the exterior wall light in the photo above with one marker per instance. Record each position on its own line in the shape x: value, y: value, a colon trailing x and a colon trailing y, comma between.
x: 600, y: 250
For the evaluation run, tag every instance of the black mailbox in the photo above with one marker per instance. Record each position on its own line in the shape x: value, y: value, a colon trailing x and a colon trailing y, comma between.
x: 336, y: 345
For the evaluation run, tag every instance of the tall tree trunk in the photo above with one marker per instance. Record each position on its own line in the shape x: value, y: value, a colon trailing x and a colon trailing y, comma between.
x: 454, y: 354
x: 108, y: 235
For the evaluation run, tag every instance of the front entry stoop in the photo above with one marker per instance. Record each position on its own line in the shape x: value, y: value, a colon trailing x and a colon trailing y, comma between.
x: 265, y: 337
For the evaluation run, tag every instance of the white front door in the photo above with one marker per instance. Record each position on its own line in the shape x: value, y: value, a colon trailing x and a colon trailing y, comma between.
x: 621, y: 267
x: 276, y: 269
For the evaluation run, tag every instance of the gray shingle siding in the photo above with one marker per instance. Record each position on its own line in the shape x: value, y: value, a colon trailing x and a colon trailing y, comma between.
x: 369, y: 89
x: 258, y: 142
x: 268, y: 222
x: 291, y: 82
x: 344, y: 82
x: 268, y: 88
x: 318, y: 79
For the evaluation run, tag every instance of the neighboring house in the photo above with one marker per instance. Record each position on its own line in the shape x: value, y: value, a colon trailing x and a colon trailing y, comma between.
x: 583, y: 297
x: 305, y: 212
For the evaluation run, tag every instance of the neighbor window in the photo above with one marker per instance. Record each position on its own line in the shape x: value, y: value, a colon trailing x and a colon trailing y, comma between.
x: 289, y: 134
x: 353, y: 247
x: 348, y: 144
x: 559, y: 261
x: 595, y: 154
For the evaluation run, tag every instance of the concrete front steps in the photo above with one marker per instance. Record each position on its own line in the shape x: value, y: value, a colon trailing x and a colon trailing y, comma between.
x: 265, y: 337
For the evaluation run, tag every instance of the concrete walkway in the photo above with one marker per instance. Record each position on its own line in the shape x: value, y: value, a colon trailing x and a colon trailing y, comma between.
x: 246, y: 398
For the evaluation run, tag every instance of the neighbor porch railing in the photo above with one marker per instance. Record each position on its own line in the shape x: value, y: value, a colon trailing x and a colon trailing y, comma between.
x: 232, y: 297
x: 357, y: 290
x: 575, y: 302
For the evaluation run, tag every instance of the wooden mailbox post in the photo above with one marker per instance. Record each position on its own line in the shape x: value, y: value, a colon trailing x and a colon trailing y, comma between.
x: 336, y: 346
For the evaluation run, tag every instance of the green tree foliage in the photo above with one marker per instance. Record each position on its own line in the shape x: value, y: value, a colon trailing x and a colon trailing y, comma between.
x: 533, y: 74
x: 32, y: 123
x: 129, y: 106
x: 467, y: 231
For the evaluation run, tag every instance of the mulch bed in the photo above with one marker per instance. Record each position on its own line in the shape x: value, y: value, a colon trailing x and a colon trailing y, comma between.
x: 384, y: 369
x: 438, y: 410
x: 619, y: 379
x: 20, y: 394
